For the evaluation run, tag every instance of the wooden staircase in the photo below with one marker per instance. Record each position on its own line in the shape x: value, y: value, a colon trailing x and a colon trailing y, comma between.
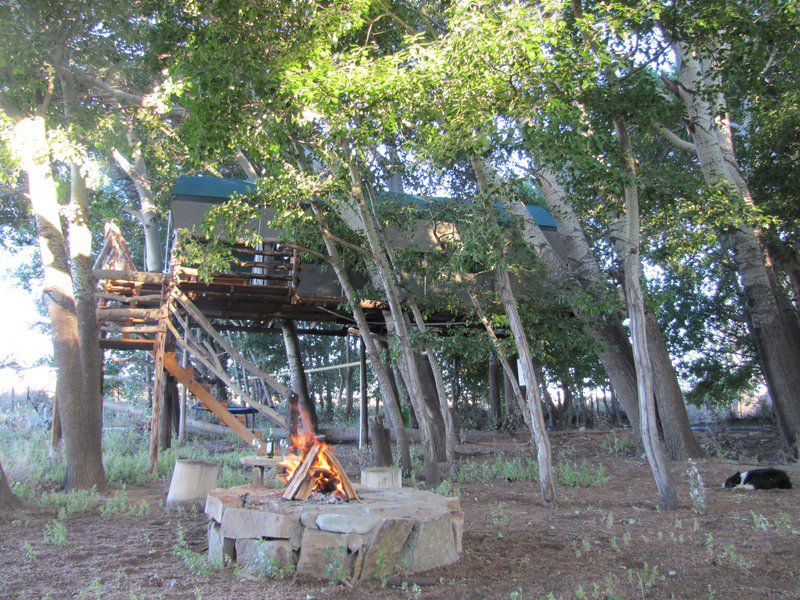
x: 149, y: 311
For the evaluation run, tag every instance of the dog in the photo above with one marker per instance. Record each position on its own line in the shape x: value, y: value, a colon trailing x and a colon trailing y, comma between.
x: 759, y: 479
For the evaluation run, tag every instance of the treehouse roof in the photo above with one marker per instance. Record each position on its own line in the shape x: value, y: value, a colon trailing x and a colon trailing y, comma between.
x: 199, y: 188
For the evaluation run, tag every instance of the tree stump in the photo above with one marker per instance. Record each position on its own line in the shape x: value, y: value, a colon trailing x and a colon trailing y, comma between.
x: 381, y: 447
x: 191, y: 482
x: 382, y: 477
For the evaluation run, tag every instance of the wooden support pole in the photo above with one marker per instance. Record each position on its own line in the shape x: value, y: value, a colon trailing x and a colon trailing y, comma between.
x: 363, y: 407
x: 157, y: 397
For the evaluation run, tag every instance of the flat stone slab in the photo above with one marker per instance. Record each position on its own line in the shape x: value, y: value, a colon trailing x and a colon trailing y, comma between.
x: 385, y: 531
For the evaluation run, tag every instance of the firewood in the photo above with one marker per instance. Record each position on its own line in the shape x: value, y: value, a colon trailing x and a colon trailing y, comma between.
x: 301, y: 474
x: 349, y: 490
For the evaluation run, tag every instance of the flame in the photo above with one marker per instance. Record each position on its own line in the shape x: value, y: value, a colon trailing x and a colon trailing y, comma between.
x: 324, y: 476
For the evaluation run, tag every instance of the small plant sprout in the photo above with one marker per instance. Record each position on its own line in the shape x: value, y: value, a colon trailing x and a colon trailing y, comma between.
x: 760, y: 521
x: 55, y: 533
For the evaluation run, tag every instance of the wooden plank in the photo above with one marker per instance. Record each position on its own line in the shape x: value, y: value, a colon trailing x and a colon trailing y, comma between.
x: 186, y: 377
x: 139, y: 329
x: 127, y: 344
x: 267, y: 411
x: 301, y: 473
x: 127, y: 299
x: 349, y: 490
x: 124, y: 314
x: 139, y: 276
x: 198, y: 316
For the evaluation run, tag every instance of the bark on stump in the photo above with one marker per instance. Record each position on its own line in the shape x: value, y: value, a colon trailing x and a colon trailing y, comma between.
x: 382, y: 477
x: 191, y: 482
x: 382, y: 449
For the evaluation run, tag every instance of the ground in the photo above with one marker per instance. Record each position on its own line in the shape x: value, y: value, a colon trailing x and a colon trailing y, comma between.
x: 607, y: 540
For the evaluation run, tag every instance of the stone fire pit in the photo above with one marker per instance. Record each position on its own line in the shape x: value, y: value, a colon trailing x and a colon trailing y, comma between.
x: 386, y: 530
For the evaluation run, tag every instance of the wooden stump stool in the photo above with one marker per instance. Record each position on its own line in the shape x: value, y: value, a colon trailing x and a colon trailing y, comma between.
x: 191, y: 482
x: 382, y: 477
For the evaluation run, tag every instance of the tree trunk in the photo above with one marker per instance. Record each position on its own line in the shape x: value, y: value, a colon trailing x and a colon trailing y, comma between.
x: 538, y: 427
x: 424, y: 414
x: 488, y: 190
x: 79, y: 405
x: 450, y: 440
x: 298, y: 374
x: 55, y: 429
x: 8, y: 501
x: 494, y: 390
x: 668, y: 498
x: 137, y: 172
x: 776, y: 337
x: 678, y: 437
x: 578, y: 270
x: 348, y: 381
x: 363, y: 400
x: 370, y: 345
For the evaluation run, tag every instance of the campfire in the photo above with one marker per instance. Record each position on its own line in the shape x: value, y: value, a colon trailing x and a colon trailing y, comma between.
x: 312, y: 468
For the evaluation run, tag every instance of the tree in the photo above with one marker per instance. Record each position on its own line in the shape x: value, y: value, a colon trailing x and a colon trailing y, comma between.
x: 8, y: 501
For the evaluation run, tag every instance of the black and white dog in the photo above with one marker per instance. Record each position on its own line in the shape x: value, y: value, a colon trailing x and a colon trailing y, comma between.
x: 759, y: 479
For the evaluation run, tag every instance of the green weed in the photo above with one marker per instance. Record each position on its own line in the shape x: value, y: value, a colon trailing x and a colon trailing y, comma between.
x: 581, y: 475
x: 69, y: 503
x: 197, y: 562
x: 55, y: 533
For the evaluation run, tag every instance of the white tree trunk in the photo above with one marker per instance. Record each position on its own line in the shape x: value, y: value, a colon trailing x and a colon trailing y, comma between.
x: 633, y: 294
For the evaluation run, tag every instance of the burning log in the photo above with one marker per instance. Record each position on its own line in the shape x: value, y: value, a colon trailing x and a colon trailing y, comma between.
x: 320, y: 472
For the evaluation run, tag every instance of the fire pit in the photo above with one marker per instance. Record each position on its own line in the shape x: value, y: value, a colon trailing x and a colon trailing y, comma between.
x: 323, y: 526
x: 384, y: 531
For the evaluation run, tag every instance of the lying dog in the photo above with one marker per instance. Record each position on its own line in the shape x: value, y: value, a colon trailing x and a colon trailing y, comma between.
x: 759, y: 479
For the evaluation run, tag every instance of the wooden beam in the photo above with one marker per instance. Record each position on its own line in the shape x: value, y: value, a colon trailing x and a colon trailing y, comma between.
x: 198, y: 316
x: 158, y: 393
x: 127, y: 344
x: 124, y: 314
x: 186, y: 377
x: 138, y: 276
x: 272, y: 414
x: 301, y: 473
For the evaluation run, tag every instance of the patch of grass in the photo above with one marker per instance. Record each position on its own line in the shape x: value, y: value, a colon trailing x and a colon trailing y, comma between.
x: 498, y: 518
x: 617, y: 444
x: 197, y: 562
x: 760, y: 521
x: 93, y: 590
x: 267, y: 565
x: 69, y: 503
x: 446, y: 488
x: 733, y: 558
x: 118, y: 505
x: 515, y: 469
x: 30, y: 552
x: 334, y: 570
x: 580, y: 475
x: 55, y: 533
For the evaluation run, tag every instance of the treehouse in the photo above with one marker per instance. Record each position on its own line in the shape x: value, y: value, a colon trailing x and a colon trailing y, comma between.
x: 178, y: 315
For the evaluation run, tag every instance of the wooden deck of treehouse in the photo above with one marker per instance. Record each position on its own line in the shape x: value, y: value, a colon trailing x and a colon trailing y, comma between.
x: 178, y: 317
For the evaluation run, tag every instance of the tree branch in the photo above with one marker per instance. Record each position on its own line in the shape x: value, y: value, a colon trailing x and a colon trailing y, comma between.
x: 674, y: 139
x: 148, y: 101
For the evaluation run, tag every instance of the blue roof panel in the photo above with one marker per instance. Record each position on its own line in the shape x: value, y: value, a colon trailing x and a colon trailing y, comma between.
x: 211, y: 187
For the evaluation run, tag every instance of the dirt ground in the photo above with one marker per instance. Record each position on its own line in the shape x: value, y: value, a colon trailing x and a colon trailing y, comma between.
x: 605, y: 541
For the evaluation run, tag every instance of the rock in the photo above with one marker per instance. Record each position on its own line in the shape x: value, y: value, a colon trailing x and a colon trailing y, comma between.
x: 249, y: 523
x: 220, y: 549
x: 341, y: 523
x: 458, y: 529
x: 431, y: 544
x: 214, y: 508
x: 384, y: 547
x: 324, y: 555
x: 258, y: 554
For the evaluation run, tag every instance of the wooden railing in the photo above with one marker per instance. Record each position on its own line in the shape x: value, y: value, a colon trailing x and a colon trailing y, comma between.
x: 273, y: 264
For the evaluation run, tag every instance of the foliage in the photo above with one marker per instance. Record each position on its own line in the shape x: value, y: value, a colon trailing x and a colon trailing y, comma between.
x: 197, y: 562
